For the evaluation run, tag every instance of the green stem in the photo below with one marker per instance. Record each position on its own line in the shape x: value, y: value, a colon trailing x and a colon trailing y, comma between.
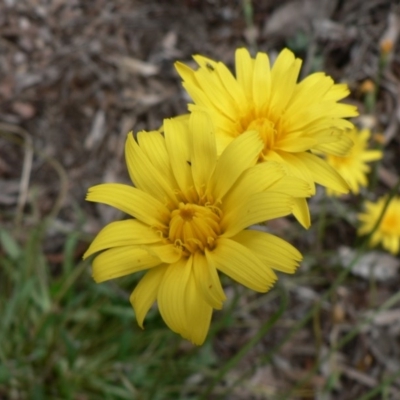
x: 249, y: 19
x: 321, y: 227
x: 381, y: 387
x: 249, y: 345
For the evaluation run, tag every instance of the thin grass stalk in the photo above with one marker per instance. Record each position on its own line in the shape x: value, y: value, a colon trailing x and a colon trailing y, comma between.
x: 381, y: 387
x: 328, y: 293
x: 347, y: 338
x: 249, y: 345
x: 321, y: 227
x: 248, y: 12
x: 8, y: 132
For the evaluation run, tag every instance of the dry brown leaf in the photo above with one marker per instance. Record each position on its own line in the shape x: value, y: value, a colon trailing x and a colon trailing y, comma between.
x: 376, y: 264
x: 290, y: 18
x: 24, y: 110
x: 98, y: 130
x: 137, y: 67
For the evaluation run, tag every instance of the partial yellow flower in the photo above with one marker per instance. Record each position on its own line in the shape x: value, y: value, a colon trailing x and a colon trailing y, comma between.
x: 388, y: 231
x: 353, y: 166
x: 190, y: 211
x: 290, y: 117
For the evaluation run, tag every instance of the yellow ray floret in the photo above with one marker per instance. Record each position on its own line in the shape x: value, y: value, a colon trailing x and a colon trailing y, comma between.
x: 388, y: 231
x: 190, y: 209
x: 353, y: 166
x: 290, y: 117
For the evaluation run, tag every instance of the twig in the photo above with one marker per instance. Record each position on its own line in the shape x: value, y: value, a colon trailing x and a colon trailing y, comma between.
x: 26, y: 169
x: 6, y: 129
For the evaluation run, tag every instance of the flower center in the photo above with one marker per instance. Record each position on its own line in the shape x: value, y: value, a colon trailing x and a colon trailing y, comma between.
x: 265, y: 127
x: 267, y: 131
x: 390, y: 224
x: 194, y: 227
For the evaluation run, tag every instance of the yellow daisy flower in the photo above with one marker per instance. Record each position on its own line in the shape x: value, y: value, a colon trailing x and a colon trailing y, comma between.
x: 388, y: 232
x: 353, y: 166
x: 291, y: 118
x: 190, y: 211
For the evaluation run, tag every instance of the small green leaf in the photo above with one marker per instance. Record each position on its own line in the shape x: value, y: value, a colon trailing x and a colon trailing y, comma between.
x: 9, y: 245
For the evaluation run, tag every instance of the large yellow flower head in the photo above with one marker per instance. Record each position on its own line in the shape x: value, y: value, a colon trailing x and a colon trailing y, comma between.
x: 290, y: 117
x: 190, y: 209
x: 388, y: 231
x: 353, y: 166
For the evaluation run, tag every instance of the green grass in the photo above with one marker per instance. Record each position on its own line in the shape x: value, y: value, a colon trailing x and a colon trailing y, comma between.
x: 64, y: 337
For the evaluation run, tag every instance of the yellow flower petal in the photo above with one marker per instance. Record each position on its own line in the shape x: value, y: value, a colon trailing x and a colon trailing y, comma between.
x: 205, y: 62
x: 132, y: 201
x: 207, y: 281
x: 340, y: 147
x: 198, y: 313
x: 311, y: 88
x: 255, y: 209
x: 242, y: 265
x: 296, y: 143
x: 153, y: 146
x: 386, y: 242
x: 305, y: 116
x: 121, y: 261
x: 353, y: 166
x: 292, y: 186
x: 172, y: 298
x: 301, y: 211
x: 185, y: 72
x: 241, y: 154
x: 178, y: 147
x: 375, y: 239
x: 200, y: 96
x: 203, y: 144
x: 284, y: 74
x: 261, y: 82
x: 371, y: 155
x: 395, y: 245
x: 224, y: 139
x: 388, y: 231
x: 270, y: 176
x: 122, y: 233
x: 211, y: 85
x: 273, y: 251
x: 143, y: 173
x: 323, y: 173
x: 145, y: 292
x: 337, y: 92
x: 254, y: 180
x: 230, y: 83
x: 244, y: 71
x: 325, y: 130
x: 167, y: 253
x: 190, y: 82
x: 295, y: 166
